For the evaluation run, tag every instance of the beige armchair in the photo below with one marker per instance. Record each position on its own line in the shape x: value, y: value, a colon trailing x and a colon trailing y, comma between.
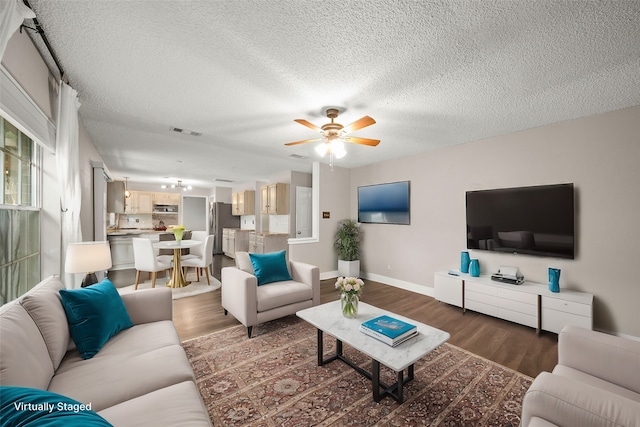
x: 595, y: 383
x: 252, y: 304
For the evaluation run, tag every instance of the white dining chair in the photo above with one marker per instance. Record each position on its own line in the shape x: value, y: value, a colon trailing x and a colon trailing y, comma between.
x: 204, y: 261
x: 196, y: 251
x: 145, y: 259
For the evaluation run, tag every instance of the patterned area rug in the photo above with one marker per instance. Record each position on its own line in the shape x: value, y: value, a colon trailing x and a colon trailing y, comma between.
x: 273, y: 380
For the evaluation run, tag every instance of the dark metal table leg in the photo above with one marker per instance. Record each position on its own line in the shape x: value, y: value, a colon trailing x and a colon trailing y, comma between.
x: 320, y: 349
x: 399, y: 397
x: 375, y: 379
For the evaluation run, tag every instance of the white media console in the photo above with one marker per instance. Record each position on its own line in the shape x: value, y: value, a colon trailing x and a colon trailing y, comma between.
x: 530, y: 304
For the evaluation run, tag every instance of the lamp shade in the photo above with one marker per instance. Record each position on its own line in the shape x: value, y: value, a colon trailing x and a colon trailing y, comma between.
x: 85, y: 257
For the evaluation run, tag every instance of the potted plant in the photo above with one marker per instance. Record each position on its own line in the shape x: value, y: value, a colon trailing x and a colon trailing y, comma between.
x: 348, y: 246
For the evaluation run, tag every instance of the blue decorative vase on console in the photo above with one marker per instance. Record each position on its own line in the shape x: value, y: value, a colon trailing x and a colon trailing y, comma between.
x: 474, y: 268
x: 465, y: 259
x: 554, y: 279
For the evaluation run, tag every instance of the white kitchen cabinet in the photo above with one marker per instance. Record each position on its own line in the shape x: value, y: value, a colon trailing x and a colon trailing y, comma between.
x: 234, y: 240
x: 145, y: 202
x: 139, y: 202
x: 243, y: 203
x: 274, y: 199
x: 166, y: 198
x: 262, y: 243
x: 225, y: 240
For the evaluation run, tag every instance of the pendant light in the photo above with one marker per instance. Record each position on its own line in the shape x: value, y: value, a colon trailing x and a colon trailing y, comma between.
x: 127, y: 193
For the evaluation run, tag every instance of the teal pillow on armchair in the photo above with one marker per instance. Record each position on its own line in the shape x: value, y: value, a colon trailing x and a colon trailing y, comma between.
x: 270, y: 267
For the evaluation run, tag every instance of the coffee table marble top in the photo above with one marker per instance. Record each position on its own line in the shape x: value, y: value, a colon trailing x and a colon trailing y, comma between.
x: 328, y: 318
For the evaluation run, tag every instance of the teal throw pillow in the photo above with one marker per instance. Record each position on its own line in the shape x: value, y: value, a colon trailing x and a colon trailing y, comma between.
x: 270, y: 267
x: 31, y: 407
x: 95, y: 314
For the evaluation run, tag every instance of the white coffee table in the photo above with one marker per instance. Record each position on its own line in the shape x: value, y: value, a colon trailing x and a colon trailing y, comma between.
x: 328, y: 318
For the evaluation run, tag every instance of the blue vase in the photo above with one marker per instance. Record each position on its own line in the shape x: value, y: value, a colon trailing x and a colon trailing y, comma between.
x: 474, y: 268
x: 554, y: 279
x: 464, y: 262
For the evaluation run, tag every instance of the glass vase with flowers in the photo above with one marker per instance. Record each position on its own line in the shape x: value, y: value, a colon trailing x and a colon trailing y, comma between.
x: 350, y: 290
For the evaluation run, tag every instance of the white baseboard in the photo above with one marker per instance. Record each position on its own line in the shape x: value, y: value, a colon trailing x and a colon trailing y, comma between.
x: 408, y: 286
x: 329, y: 275
x: 629, y: 337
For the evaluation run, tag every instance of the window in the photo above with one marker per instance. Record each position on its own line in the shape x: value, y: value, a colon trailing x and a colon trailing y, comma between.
x: 19, y: 212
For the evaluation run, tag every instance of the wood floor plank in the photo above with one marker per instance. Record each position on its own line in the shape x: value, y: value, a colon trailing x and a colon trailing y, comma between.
x: 515, y: 346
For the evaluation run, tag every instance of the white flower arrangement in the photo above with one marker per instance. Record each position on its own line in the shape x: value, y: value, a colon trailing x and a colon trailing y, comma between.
x: 350, y: 285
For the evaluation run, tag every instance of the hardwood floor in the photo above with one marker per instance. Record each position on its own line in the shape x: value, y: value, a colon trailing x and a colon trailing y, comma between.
x: 515, y: 346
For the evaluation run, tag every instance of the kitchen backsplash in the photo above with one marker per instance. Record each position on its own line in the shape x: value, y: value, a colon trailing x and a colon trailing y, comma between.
x: 147, y: 221
x: 279, y: 224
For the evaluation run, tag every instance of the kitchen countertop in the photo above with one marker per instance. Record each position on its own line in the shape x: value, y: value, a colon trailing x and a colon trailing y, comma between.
x: 134, y: 232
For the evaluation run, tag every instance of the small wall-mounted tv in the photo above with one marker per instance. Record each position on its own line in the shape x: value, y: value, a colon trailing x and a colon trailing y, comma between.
x: 538, y: 220
x: 384, y: 203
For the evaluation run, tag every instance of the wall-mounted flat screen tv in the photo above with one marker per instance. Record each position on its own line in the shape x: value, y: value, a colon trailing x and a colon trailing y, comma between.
x: 384, y: 203
x: 538, y: 220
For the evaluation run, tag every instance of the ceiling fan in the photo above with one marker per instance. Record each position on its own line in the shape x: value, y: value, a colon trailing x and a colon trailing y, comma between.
x: 336, y: 132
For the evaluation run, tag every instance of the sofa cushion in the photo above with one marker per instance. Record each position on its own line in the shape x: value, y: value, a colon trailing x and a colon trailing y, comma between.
x: 30, y: 407
x: 24, y: 357
x: 270, y: 267
x: 111, y: 380
x: 44, y: 306
x: 181, y: 406
x: 279, y: 294
x: 139, y: 339
x: 95, y: 314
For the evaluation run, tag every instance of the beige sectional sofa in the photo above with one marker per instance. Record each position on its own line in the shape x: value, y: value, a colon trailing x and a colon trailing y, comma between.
x: 140, y: 377
x: 596, y: 383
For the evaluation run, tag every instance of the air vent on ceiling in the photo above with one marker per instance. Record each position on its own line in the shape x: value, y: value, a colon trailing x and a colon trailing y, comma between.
x: 298, y: 156
x: 223, y: 180
x: 186, y: 131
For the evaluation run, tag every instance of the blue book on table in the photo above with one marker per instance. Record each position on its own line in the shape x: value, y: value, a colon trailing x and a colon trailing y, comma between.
x: 389, y: 326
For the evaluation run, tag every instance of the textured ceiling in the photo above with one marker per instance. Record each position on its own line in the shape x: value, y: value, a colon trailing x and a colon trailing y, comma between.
x: 431, y: 73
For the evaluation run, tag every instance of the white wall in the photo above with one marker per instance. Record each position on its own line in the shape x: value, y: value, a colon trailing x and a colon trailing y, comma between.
x: 599, y: 154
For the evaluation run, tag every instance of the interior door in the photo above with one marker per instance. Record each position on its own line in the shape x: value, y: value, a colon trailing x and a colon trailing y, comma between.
x: 194, y: 212
x: 303, y: 212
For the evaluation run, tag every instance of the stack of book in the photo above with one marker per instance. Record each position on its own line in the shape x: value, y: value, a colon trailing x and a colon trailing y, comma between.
x: 389, y: 330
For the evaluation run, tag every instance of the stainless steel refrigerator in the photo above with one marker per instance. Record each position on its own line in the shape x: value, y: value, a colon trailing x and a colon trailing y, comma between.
x: 220, y: 217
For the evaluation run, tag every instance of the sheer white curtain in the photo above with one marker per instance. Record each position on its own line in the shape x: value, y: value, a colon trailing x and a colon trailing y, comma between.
x: 68, y: 163
x: 12, y: 15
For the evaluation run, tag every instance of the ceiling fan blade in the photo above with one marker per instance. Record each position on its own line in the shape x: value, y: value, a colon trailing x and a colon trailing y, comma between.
x: 359, y: 124
x: 308, y: 124
x: 362, y: 141
x: 304, y: 141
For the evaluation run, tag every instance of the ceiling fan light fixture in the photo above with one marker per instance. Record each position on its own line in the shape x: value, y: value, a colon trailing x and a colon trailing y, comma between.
x: 322, y: 149
x: 337, y: 148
